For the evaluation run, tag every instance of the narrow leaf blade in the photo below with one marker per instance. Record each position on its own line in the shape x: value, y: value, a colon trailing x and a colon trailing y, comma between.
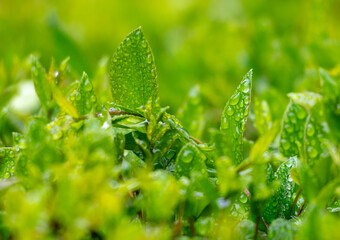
x: 235, y: 115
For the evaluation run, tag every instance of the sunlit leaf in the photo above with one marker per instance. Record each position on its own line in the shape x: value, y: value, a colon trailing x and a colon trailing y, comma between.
x: 263, y: 119
x: 133, y: 73
x: 235, y: 115
x: 40, y: 81
x: 292, y: 131
x: 83, y: 97
x: 191, y: 114
x: 189, y: 160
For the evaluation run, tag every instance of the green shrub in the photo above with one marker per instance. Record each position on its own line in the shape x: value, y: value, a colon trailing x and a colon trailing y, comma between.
x: 89, y: 165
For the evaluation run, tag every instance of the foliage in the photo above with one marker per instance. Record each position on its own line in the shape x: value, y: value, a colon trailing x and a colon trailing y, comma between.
x: 88, y: 165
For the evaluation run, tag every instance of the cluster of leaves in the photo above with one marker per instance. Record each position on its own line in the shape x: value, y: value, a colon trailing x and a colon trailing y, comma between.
x: 86, y: 167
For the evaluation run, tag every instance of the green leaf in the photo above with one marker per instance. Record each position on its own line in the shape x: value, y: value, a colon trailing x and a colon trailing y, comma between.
x: 263, y: 118
x: 292, y: 130
x: 160, y: 195
x: 281, y: 229
x: 314, y: 149
x: 133, y: 73
x: 306, y: 99
x: 329, y: 87
x: 176, y: 125
x: 235, y: 115
x: 84, y: 97
x: 191, y: 114
x: 280, y: 204
x: 40, y: 81
x: 7, y: 161
x: 189, y: 160
x: 63, y: 103
x: 284, y: 194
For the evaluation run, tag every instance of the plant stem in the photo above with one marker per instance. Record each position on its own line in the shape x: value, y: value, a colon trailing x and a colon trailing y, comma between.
x: 264, y: 222
x: 257, y: 228
x: 295, y: 200
x: 300, y: 210
x: 192, y: 227
x: 196, y: 140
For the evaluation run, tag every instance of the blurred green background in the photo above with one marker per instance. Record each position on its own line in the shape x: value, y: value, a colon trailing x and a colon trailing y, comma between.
x: 209, y: 42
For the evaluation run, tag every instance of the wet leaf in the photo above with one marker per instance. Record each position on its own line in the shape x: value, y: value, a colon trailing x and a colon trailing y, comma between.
x: 235, y: 115
x: 133, y: 74
x: 281, y: 229
x: 315, y: 150
x: 7, y: 161
x: 84, y: 97
x: 40, y: 81
x: 189, y: 160
x: 191, y: 114
x: 306, y: 99
x: 292, y: 130
x: 263, y: 119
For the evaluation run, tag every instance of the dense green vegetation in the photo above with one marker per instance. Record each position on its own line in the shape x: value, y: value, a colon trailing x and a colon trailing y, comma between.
x: 229, y: 128
x: 92, y: 165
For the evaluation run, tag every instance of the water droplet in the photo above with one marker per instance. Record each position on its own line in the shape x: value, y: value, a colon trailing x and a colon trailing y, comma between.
x: 285, y: 144
x: 11, y: 154
x: 289, y: 128
x: 71, y: 97
x: 143, y: 43
x: 300, y: 113
x: 149, y: 59
x: 310, y: 130
x: 246, y: 99
x: 230, y: 111
x: 234, y: 99
x: 88, y: 105
x: 187, y: 156
x: 243, y: 198
x: 312, y: 152
x: 153, y: 72
x: 7, y: 175
x: 245, y: 86
x: 78, y: 96
x: 2, y: 152
x: 128, y: 41
x: 238, y: 117
x: 87, y: 85
x: 138, y: 34
x: 93, y: 98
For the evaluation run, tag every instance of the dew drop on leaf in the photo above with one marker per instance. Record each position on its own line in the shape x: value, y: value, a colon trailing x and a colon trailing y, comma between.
x: 310, y: 130
x: 230, y: 111
x: 234, y: 99
x: 245, y: 86
x: 312, y: 152
x: 187, y: 156
x: 243, y: 198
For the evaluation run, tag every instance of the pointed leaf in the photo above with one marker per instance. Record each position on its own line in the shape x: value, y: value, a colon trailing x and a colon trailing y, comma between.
x: 306, y: 99
x: 189, y: 160
x: 263, y: 118
x: 314, y: 149
x: 235, y: 115
x: 7, y: 163
x: 40, y: 81
x: 191, y: 114
x: 133, y: 73
x: 84, y: 97
x: 292, y: 130
x: 285, y: 193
